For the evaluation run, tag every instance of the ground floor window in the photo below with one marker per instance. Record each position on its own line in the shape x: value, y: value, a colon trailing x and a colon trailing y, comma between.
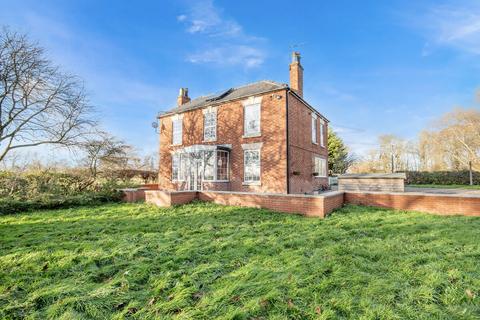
x: 211, y: 165
x: 222, y: 165
x: 251, y: 165
x: 175, y: 167
x: 320, y: 167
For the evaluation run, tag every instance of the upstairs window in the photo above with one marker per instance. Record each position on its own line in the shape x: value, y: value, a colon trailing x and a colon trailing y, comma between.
x: 252, y: 120
x: 320, y: 167
x: 210, y: 125
x: 314, y: 129
x: 322, y: 135
x: 251, y: 165
x: 177, y: 131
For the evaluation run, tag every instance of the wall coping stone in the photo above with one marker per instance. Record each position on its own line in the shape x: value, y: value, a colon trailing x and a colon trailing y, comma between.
x: 373, y: 176
x: 426, y: 194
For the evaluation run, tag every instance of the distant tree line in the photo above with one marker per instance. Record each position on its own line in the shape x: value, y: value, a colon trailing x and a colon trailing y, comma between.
x: 451, y: 143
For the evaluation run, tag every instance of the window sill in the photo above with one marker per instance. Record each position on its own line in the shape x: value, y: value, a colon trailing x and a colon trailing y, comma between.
x: 253, y: 183
x: 252, y: 135
x: 320, y: 177
x: 315, y: 143
x: 216, y: 181
x: 211, y: 140
x: 175, y: 145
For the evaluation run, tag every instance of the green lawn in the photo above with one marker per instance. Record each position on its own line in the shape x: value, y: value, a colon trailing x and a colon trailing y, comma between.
x: 203, y: 261
x: 446, y: 186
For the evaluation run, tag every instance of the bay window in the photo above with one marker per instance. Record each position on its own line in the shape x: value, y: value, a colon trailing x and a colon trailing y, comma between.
x: 175, y: 167
x: 222, y: 165
x: 209, y: 166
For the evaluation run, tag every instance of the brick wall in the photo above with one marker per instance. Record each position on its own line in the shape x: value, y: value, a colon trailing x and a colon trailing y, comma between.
x: 371, y: 184
x: 230, y: 131
x: 133, y: 195
x: 316, y: 206
x: 302, y: 149
x: 431, y: 203
x: 169, y: 198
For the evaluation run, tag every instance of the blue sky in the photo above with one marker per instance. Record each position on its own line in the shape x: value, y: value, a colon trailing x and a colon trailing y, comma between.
x: 371, y: 67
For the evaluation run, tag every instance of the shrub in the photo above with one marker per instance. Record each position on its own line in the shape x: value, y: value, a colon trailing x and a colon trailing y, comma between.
x: 33, y: 190
x: 55, y: 201
x: 442, y: 177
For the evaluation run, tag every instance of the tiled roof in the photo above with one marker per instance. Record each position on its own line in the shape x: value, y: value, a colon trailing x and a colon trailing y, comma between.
x: 230, y: 94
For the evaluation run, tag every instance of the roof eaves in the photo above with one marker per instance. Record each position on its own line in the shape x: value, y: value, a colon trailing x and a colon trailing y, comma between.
x: 307, y: 104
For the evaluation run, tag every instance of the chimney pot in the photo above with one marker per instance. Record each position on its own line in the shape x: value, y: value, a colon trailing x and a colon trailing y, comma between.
x: 183, y: 97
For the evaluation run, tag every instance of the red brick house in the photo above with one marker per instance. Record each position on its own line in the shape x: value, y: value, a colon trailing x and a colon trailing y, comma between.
x: 260, y: 137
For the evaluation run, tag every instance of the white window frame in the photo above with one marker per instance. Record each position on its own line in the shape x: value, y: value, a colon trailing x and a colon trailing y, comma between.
x: 322, y: 133
x: 216, y: 166
x: 314, y: 128
x: 321, y: 162
x: 256, y: 133
x: 179, y: 164
x: 253, y: 147
x: 177, y: 133
x: 210, y: 111
x: 214, y: 158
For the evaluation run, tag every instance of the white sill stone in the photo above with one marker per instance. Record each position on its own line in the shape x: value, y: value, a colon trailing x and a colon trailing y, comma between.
x: 252, y: 135
x: 253, y: 183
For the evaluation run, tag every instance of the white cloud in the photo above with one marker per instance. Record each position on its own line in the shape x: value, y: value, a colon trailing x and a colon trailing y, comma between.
x: 181, y: 17
x: 224, y: 39
x: 455, y: 25
x: 230, y: 55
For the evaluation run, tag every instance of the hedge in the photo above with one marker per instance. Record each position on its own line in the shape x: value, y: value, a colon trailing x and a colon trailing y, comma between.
x: 442, y: 177
x: 53, y: 201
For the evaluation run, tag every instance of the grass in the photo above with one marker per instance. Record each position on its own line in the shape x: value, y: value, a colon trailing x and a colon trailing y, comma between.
x: 446, y: 186
x: 203, y: 261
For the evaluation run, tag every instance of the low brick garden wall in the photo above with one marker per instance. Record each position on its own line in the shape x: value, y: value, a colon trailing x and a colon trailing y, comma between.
x: 317, y: 206
x: 443, y: 204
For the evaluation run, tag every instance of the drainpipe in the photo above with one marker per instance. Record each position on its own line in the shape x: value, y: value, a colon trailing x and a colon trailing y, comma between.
x: 288, y: 145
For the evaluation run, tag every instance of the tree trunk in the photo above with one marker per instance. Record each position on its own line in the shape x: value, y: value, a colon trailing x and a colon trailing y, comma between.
x: 470, y: 172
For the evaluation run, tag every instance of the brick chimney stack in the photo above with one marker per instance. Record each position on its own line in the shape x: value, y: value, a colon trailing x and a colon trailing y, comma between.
x: 183, y: 97
x: 296, y: 74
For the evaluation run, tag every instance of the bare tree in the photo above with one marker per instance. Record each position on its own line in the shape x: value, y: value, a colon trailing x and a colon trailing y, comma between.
x: 39, y: 104
x: 104, y: 150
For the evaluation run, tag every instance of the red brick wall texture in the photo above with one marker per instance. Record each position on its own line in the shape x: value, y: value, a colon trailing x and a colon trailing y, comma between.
x: 315, y: 206
x: 435, y: 203
x: 273, y: 126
